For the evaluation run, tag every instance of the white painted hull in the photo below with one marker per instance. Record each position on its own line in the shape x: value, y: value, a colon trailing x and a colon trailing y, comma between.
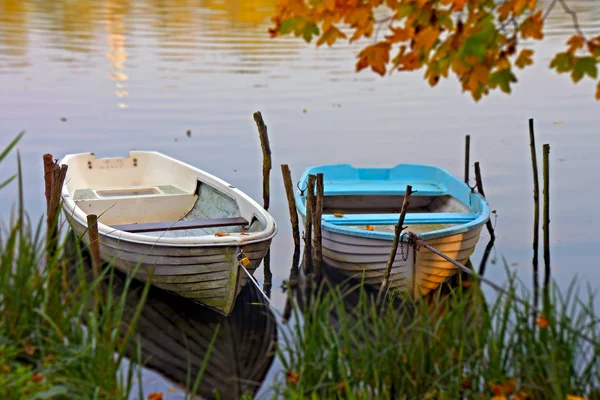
x: 209, y: 274
x: 412, y: 272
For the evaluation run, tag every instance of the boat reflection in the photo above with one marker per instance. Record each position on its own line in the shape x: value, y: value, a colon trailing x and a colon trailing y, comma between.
x: 175, y: 335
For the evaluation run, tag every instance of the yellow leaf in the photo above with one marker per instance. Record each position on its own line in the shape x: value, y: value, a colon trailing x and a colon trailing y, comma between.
x: 330, y: 36
x: 575, y: 43
x: 598, y: 92
x: 221, y: 234
x: 479, y: 75
x: 426, y: 38
x: 338, y: 215
x: 524, y: 58
x: 376, y: 56
x: 499, y: 398
x: 572, y: 397
x: 330, y: 4
x: 408, y: 62
x: 531, y: 4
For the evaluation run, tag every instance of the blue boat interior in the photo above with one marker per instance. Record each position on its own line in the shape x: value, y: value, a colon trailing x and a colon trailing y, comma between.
x: 371, y: 198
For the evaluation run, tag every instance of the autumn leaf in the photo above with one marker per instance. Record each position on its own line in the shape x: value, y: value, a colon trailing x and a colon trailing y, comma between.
x: 375, y: 56
x: 598, y: 91
x: 572, y: 397
x: 532, y: 27
x: 292, y: 377
x: 504, y: 10
x: 503, y: 79
x: 575, y: 43
x: 479, y: 76
x: 329, y: 4
x: 524, y: 58
x: 509, y: 386
x: 37, y: 378
x: 244, y: 234
x: 221, y: 234
x: 518, y: 6
x: 458, y: 5
x: 330, y: 36
x: 562, y: 62
x: 28, y: 348
x: 521, y: 396
x: 584, y: 66
x: 542, y: 322
x: 338, y: 215
x: 425, y: 39
x: 495, y: 389
x: 369, y: 228
x: 400, y: 35
x: 155, y: 396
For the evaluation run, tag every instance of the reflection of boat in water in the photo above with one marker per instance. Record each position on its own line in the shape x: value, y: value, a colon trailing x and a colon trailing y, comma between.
x: 175, y: 335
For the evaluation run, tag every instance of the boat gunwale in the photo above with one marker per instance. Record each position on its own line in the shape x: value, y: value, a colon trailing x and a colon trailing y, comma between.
x: 482, y: 216
x: 80, y: 217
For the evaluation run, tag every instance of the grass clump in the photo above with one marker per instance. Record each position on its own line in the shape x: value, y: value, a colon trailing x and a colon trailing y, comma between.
x: 53, y: 343
x: 455, y: 347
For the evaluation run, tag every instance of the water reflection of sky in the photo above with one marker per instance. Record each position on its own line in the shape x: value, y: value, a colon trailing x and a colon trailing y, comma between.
x: 138, y: 74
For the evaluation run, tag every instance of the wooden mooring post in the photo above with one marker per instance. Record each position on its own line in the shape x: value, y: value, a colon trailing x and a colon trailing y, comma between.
x: 479, y: 181
x: 289, y: 192
x: 308, y: 228
x: 467, y: 157
x: 94, y: 238
x: 536, y: 218
x: 266, y: 151
x: 54, y: 177
x: 397, y: 231
x: 546, y: 227
x: 317, y: 250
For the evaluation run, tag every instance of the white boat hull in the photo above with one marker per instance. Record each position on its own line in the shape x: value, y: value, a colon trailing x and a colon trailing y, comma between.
x: 417, y: 273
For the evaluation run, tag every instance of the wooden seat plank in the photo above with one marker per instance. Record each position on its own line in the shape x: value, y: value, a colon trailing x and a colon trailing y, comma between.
x: 392, y: 219
x: 181, y: 225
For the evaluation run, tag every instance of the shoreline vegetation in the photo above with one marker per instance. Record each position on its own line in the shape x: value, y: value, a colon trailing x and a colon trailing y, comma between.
x: 60, y: 339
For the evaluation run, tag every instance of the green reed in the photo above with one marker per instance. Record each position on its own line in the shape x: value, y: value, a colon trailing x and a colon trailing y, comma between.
x: 55, y: 342
x: 456, y: 346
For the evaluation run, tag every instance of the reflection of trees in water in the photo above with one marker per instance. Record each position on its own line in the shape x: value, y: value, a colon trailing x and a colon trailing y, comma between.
x: 117, y: 54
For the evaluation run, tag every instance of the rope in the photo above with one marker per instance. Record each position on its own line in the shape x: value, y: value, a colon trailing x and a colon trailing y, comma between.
x: 419, y: 242
x: 260, y: 290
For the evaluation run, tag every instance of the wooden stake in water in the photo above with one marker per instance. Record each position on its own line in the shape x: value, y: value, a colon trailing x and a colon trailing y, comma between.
x: 546, y: 150
x: 479, y: 182
x: 317, y: 250
x: 266, y: 151
x: 536, y: 216
x: 289, y: 192
x: 310, y: 205
x: 397, y: 231
x: 57, y: 178
x: 48, y: 178
x: 92, y: 221
x: 467, y: 157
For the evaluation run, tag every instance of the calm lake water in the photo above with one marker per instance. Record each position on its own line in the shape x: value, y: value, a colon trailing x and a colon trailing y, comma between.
x: 111, y: 76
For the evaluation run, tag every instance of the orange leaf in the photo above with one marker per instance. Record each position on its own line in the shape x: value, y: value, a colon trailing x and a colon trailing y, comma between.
x: 292, y: 377
x: 369, y: 228
x: 532, y: 26
x: 330, y: 36
x: 376, y: 56
x: 155, y: 396
x: 524, y: 58
x: 576, y: 42
x: 400, y: 34
x: 521, y: 396
x: 598, y: 92
x: 572, y: 397
x: 479, y: 75
x: 221, y: 234
x: 244, y: 234
x: 29, y: 348
x: 542, y: 322
x: 509, y: 386
x: 495, y: 389
x: 37, y: 378
x: 329, y: 4
x: 499, y: 398
x: 408, y: 62
x: 426, y: 38
x: 518, y: 6
x: 338, y: 215
x: 531, y: 4
x: 458, y: 5
x: 503, y: 11
x: 341, y: 387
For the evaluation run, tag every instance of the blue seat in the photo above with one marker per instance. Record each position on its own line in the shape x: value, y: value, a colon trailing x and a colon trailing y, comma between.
x: 364, y: 187
x: 392, y: 219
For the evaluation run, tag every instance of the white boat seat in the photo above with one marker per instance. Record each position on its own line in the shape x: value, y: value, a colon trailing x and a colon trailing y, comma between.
x: 392, y: 219
x: 382, y: 188
x: 182, y: 225
x: 135, y: 204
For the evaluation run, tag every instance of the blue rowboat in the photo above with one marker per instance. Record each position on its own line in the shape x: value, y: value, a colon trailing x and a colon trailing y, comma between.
x: 361, y: 209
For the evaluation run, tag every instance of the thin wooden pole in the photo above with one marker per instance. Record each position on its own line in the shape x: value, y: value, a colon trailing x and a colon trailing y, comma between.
x: 546, y: 150
x: 292, y: 286
x: 266, y: 150
x: 289, y: 192
x: 479, y: 182
x: 536, y: 216
x: 317, y: 250
x: 310, y: 205
x: 48, y: 178
x: 92, y: 222
x: 467, y: 157
x: 397, y: 231
x: 58, y: 178
x: 486, y: 255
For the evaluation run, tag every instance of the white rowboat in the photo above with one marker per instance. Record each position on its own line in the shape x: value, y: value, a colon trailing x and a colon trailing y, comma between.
x: 190, y: 228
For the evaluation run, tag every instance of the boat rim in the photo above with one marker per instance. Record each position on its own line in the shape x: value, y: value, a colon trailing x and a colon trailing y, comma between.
x: 267, y: 233
x: 481, y: 219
